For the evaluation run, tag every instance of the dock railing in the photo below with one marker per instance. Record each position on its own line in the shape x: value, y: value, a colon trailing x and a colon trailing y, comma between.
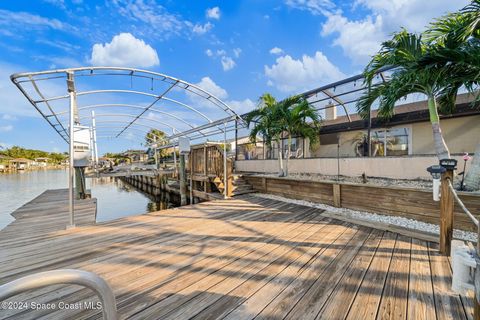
x: 452, y: 191
x: 64, y: 276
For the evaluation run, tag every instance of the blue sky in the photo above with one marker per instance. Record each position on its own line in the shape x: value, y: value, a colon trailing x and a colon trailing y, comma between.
x: 235, y: 49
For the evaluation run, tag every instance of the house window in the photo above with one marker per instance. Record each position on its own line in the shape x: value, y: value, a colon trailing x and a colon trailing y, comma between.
x: 390, y: 142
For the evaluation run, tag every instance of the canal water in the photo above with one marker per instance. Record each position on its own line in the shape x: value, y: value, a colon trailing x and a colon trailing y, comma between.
x: 115, y: 198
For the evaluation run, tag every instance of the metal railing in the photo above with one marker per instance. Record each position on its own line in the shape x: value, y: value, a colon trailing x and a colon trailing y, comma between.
x: 65, y: 276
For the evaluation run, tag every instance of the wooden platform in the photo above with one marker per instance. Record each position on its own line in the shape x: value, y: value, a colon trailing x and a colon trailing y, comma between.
x: 47, y: 213
x: 240, y: 259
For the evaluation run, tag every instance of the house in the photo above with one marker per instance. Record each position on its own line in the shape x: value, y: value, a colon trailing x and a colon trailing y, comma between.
x: 4, y: 163
x: 407, y: 133
x: 42, y: 162
x: 136, y: 155
x: 404, y: 142
x: 20, y: 163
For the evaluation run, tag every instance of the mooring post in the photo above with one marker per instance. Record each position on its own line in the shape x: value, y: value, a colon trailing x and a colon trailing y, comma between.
x: 446, y: 213
x: 183, y: 181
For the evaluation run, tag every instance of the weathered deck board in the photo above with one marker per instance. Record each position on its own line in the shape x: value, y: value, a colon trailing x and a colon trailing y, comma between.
x: 46, y: 213
x: 243, y: 258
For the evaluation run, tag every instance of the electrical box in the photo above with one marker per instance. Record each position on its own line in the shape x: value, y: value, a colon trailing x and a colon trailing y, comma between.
x: 81, y: 146
x: 184, y: 145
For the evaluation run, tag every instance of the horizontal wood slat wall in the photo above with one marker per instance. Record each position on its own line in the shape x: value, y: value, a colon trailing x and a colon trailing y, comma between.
x: 404, y: 202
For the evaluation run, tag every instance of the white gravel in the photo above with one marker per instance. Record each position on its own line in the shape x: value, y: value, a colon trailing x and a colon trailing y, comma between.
x: 372, y: 217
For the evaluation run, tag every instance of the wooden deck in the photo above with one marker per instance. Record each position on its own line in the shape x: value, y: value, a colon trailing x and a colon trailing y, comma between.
x: 240, y: 259
x: 47, y: 213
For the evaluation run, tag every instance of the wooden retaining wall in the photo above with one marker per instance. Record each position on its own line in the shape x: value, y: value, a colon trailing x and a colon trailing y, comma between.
x: 396, y: 201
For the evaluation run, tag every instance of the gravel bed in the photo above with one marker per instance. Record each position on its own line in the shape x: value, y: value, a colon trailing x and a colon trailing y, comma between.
x: 372, y: 217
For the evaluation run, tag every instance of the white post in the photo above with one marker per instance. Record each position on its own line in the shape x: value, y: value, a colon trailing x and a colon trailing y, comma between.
x: 71, y: 172
x: 95, y: 150
x: 92, y: 157
x: 225, y: 178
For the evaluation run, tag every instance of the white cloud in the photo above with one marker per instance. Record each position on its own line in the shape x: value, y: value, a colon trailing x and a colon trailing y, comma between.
x: 6, y: 128
x: 210, y: 86
x: 209, y: 52
x: 213, y: 13
x: 221, y: 52
x: 290, y: 75
x: 57, y: 3
x: 276, y: 50
x: 316, y: 7
x: 237, y: 52
x: 150, y: 18
x: 11, y: 19
x: 124, y: 50
x: 242, y: 106
x: 202, y: 29
x: 10, y: 117
x: 361, y: 38
x: 207, y: 84
x: 228, y: 63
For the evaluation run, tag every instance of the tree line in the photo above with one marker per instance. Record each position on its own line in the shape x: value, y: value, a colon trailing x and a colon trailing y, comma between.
x: 19, y: 152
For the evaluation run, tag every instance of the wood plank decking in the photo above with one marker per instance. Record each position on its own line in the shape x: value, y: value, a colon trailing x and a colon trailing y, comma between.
x: 46, y: 213
x: 240, y: 259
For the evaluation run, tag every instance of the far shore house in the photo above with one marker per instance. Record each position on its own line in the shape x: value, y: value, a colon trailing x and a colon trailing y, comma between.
x: 20, y: 163
x: 136, y: 155
x: 4, y: 163
x: 42, y: 161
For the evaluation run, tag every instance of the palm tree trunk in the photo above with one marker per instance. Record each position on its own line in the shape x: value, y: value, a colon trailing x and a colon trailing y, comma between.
x: 472, y: 179
x: 280, y: 162
x: 289, y: 145
x: 441, y: 148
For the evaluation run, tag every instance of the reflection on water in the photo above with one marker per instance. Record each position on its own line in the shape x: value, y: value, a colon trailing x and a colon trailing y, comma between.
x: 114, y: 198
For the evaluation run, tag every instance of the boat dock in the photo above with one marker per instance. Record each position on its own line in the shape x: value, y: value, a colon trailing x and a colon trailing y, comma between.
x: 47, y: 213
x: 242, y: 258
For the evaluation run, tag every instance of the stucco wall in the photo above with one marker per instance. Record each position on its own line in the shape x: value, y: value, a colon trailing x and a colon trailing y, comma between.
x: 387, y: 167
x: 461, y: 135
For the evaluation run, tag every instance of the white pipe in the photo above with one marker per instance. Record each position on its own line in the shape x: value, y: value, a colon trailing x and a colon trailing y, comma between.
x: 225, y: 178
x: 71, y: 171
x: 436, y: 189
x: 94, y: 126
x: 65, y: 276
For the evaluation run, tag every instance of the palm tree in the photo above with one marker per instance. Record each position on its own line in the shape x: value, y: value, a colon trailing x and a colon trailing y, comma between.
x: 455, y: 43
x: 300, y: 119
x: 292, y: 116
x: 267, y: 124
x: 404, y: 52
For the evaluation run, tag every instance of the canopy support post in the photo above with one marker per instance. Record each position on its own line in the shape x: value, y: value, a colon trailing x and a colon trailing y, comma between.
x: 71, y: 173
x: 225, y: 177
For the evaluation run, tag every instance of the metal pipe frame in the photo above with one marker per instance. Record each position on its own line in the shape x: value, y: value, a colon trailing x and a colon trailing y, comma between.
x: 134, y: 106
x: 19, y: 79
x: 131, y: 116
x: 132, y: 71
x: 65, y: 276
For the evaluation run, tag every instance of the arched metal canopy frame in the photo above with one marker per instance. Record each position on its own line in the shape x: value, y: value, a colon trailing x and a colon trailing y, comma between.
x: 42, y: 102
x: 53, y: 117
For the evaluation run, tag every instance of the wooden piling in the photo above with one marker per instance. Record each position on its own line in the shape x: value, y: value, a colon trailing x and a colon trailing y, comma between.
x: 446, y: 214
x: 183, y: 181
